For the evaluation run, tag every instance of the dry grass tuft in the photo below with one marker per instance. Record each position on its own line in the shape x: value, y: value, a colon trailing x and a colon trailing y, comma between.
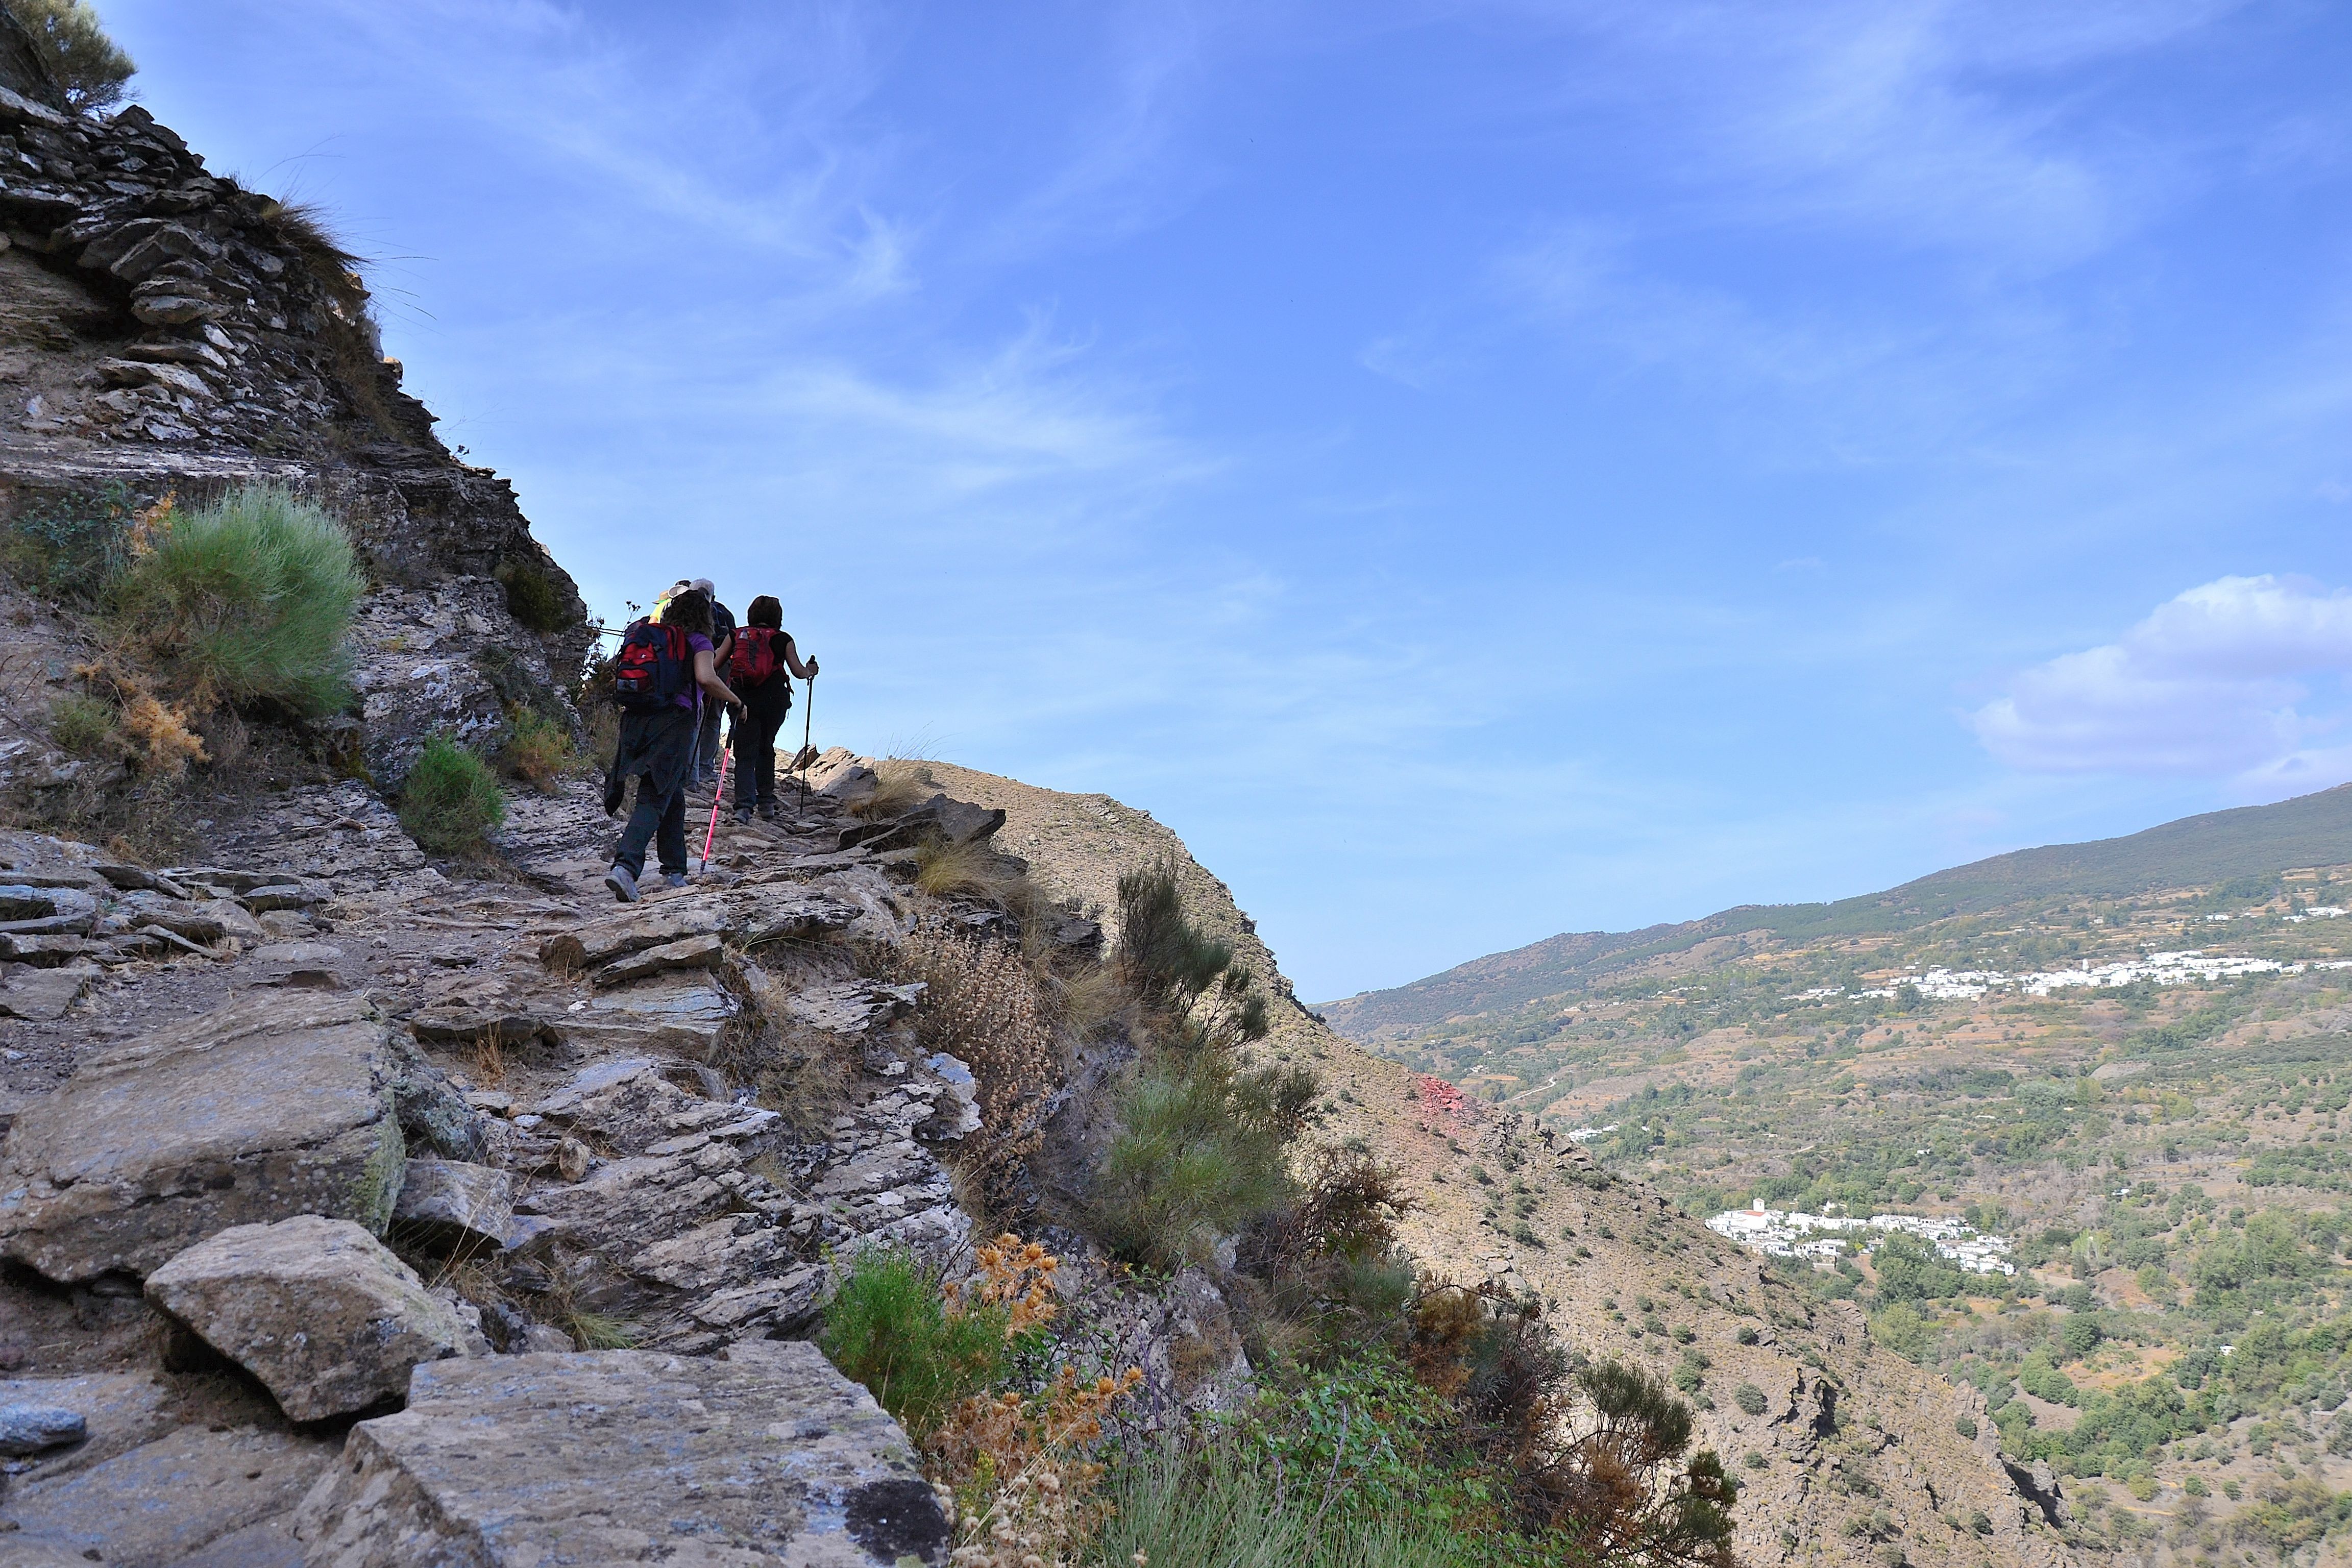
x: 490, y: 1060
x: 901, y: 784
x: 1085, y: 1002
x: 971, y: 870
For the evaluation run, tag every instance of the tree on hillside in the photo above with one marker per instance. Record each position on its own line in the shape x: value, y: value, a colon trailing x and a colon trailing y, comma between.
x: 90, y: 65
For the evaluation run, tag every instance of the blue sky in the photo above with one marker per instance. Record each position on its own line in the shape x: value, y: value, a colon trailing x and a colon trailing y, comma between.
x: 1475, y: 469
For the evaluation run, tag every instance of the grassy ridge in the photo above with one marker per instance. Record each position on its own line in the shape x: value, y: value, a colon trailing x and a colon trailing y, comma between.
x: 2196, y: 851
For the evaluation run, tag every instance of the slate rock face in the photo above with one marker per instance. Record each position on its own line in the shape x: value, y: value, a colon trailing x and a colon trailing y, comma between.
x: 768, y: 1456
x: 271, y: 1106
x: 319, y: 1310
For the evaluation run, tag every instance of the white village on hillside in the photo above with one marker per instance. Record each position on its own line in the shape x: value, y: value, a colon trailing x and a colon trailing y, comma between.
x: 2192, y: 966
x: 1822, y: 1238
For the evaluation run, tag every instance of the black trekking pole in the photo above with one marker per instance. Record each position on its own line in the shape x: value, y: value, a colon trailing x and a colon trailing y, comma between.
x: 808, y: 723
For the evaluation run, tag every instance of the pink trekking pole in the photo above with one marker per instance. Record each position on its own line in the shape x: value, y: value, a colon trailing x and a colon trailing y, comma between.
x: 717, y: 797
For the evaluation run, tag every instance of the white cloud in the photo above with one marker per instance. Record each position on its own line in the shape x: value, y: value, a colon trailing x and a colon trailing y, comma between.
x: 2216, y: 682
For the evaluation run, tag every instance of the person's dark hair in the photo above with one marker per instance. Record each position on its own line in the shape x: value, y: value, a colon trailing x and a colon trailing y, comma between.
x: 690, y: 612
x: 765, y: 612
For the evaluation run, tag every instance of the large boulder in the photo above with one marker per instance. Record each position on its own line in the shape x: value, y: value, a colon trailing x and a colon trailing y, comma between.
x: 767, y: 1457
x: 273, y: 1106
x: 317, y: 1309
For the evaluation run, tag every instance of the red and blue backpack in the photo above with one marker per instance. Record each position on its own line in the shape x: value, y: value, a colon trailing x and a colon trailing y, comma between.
x: 753, y: 662
x: 652, y: 668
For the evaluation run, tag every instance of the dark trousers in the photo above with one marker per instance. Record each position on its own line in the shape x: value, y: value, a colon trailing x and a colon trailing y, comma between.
x: 705, y: 746
x: 657, y: 750
x: 754, y: 740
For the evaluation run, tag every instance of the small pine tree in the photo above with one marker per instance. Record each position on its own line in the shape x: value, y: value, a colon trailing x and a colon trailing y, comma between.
x: 91, y: 68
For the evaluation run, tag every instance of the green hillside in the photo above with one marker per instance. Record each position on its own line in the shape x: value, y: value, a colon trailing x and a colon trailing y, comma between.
x: 2196, y: 851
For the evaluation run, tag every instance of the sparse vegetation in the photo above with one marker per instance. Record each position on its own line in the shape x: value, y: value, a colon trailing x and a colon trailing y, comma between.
x: 1202, y: 1149
x: 538, y: 751
x: 901, y: 784
x: 532, y: 597
x: 85, y: 727
x: 451, y: 802
x: 967, y: 870
x: 88, y: 65
x: 69, y: 550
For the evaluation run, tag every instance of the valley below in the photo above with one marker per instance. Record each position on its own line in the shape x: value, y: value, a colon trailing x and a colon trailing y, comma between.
x: 2128, y: 1062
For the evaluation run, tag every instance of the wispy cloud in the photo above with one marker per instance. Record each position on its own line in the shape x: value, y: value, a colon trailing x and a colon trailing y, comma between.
x: 1961, y: 126
x: 2215, y: 683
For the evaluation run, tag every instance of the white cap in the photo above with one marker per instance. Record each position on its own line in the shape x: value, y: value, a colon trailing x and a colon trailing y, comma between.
x: 703, y: 585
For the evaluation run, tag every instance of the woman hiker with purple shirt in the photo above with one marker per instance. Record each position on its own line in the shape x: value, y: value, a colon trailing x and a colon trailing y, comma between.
x: 659, y: 749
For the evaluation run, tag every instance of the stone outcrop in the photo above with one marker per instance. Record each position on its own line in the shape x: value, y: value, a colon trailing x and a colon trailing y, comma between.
x: 256, y: 1111
x: 166, y: 332
x: 766, y: 1456
x: 317, y: 1309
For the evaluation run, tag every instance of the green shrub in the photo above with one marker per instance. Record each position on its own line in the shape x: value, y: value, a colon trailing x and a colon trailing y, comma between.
x: 538, y: 751
x: 1966, y: 1425
x: 888, y: 1327
x: 1165, y: 961
x: 1750, y: 1398
x: 70, y: 551
x: 450, y: 804
x: 1201, y: 1152
x: 84, y: 726
x: 90, y: 65
x: 532, y: 596
x: 248, y: 599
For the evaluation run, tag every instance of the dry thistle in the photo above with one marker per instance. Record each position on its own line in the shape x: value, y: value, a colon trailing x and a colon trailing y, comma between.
x: 1015, y: 1275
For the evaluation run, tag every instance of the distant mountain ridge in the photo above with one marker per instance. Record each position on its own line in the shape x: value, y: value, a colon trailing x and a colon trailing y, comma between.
x: 2195, y: 851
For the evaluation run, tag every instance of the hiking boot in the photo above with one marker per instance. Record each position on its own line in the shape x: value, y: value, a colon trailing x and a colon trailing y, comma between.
x: 623, y: 886
x: 672, y: 879
x: 744, y: 816
x: 767, y: 811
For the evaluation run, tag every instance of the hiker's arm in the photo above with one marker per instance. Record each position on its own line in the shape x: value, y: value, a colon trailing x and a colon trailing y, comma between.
x: 706, y: 674
x: 720, y: 651
x: 792, y: 661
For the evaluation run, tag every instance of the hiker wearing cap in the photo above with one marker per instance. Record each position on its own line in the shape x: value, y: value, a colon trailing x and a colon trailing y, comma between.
x: 723, y: 647
x: 766, y: 663
x: 663, y: 675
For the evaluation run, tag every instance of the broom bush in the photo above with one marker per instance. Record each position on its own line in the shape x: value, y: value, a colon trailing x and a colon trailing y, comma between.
x: 247, y: 600
x: 451, y: 803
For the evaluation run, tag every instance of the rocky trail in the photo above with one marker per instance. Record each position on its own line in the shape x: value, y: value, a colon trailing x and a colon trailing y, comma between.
x: 226, y: 1082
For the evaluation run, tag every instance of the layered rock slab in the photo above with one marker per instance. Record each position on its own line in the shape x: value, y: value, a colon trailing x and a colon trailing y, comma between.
x: 270, y: 1107
x: 317, y: 1309
x: 157, y: 1503
x: 767, y: 1457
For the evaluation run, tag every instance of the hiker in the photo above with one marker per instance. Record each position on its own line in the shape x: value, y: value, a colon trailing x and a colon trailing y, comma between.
x: 722, y: 647
x: 766, y: 663
x: 662, y: 677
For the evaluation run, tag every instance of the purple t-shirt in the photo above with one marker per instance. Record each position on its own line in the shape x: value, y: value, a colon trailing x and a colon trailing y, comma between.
x: 692, y: 696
